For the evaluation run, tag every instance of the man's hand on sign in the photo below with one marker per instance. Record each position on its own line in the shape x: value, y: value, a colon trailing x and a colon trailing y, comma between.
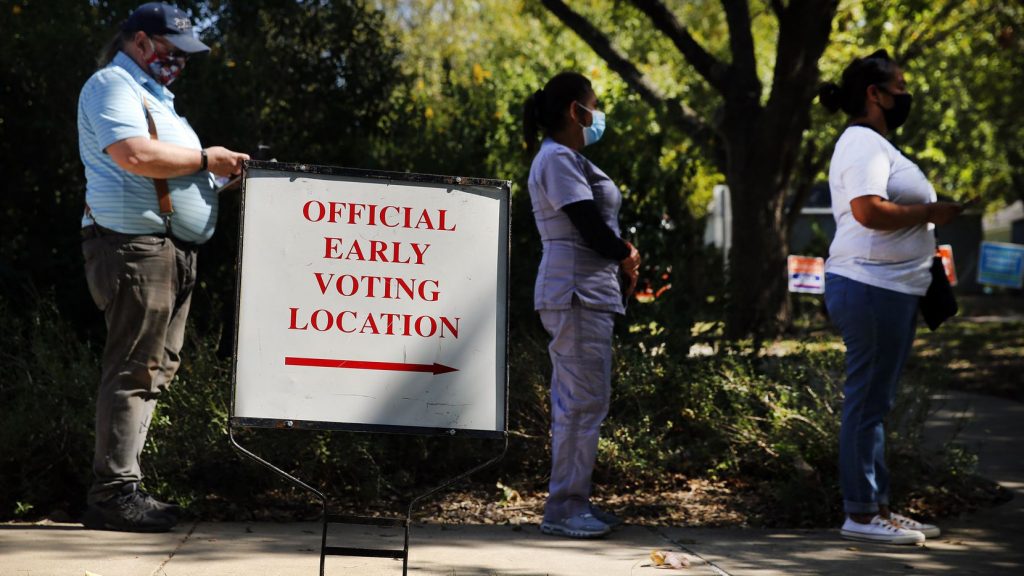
x: 224, y: 162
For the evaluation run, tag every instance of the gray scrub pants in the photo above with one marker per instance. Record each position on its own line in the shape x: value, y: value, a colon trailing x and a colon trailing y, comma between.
x: 581, y: 358
x: 143, y: 285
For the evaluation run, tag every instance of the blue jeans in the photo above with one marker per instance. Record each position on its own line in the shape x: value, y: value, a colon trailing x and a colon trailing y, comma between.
x: 878, y: 327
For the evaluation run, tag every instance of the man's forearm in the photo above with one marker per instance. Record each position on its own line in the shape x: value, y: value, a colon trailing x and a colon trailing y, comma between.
x: 155, y: 159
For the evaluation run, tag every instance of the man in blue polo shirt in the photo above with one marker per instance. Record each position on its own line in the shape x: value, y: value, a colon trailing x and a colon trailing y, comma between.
x: 150, y: 202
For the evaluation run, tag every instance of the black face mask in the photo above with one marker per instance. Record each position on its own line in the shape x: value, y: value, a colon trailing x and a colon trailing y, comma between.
x: 897, y: 115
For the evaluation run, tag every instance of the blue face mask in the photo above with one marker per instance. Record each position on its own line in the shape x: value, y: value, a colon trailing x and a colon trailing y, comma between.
x: 593, y: 132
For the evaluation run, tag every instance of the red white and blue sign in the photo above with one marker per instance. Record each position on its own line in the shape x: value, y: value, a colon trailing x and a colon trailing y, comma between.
x: 806, y: 274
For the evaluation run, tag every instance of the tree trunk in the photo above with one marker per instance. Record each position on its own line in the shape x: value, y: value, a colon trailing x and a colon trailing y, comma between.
x: 762, y: 151
x: 758, y: 304
x: 762, y: 148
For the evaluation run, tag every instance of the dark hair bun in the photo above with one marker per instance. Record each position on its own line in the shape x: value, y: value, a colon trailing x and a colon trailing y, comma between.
x: 831, y: 96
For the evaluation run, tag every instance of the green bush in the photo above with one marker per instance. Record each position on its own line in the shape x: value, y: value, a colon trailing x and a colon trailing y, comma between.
x: 47, y: 393
x: 770, y: 422
x: 767, y: 423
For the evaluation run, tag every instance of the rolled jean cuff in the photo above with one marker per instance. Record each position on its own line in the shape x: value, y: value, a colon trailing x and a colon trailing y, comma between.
x: 860, y: 507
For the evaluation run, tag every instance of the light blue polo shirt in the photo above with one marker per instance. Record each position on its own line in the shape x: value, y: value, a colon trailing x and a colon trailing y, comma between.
x: 110, y: 109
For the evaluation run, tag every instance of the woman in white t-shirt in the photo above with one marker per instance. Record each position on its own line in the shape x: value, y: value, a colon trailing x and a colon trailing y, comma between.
x: 578, y: 290
x: 878, y: 268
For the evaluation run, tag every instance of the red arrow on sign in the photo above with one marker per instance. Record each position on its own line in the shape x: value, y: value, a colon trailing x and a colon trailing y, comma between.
x: 434, y: 368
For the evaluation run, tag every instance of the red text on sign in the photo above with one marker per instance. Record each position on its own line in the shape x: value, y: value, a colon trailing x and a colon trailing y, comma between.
x: 379, y: 287
x: 374, y: 251
x: 375, y: 215
x: 380, y: 323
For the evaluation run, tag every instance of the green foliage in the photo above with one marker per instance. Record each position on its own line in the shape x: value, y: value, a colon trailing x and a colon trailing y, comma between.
x: 22, y: 508
x: 47, y: 391
x: 43, y: 63
x: 309, y: 79
x: 963, y: 63
x: 768, y: 421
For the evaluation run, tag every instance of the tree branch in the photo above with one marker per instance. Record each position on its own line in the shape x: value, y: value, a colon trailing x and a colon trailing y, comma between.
x: 709, y: 67
x: 741, y: 42
x: 676, y: 112
x: 804, y: 30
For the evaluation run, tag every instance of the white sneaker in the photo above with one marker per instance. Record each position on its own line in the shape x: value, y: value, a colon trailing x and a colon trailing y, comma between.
x: 929, y: 530
x: 579, y: 526
x: 880, y: 530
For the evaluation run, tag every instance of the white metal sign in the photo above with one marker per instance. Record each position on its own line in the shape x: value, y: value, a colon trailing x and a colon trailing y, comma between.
x: 371, y: 301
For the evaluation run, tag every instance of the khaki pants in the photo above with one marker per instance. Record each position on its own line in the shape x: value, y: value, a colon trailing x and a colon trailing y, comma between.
x: 143, y: 285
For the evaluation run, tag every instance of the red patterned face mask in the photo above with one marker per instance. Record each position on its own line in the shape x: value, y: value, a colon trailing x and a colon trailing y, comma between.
x: 165, y: 69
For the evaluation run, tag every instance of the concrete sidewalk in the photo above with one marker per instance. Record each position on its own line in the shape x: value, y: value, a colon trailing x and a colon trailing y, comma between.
x: 988, y: 542
x: 227, y: 549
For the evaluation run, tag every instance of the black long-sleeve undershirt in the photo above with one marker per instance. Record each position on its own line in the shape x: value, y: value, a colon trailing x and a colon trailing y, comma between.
x: 596, y: 234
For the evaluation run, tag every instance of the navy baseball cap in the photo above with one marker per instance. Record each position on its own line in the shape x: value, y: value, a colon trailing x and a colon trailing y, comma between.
x: 159, y: 19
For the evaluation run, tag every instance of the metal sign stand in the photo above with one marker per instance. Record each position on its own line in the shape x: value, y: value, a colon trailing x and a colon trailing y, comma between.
x: 327, y: 518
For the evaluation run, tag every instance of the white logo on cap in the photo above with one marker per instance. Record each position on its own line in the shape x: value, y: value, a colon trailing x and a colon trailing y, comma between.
x: 182, y: 23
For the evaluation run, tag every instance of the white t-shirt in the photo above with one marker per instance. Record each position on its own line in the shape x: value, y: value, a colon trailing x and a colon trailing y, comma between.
x: 865, y: 163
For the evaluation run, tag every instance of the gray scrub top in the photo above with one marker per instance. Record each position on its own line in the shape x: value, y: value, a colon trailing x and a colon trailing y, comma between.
x: 559, y: 176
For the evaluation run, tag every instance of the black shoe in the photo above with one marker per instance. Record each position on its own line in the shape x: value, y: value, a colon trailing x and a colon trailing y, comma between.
x: 131, y: 511
x: 166, y: 507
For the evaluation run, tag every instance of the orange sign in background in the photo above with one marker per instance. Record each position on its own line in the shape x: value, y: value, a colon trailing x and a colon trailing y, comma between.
x: 946, y: 252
